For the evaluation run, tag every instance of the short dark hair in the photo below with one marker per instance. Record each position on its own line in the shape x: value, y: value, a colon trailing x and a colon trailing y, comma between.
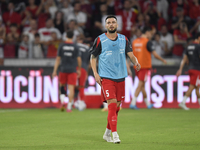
x: 70, y: 34
x: 110, y: 16
x: 145, y: 29
x: 37, y: 35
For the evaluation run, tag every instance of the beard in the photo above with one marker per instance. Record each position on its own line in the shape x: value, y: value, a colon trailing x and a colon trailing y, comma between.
x: 112, y: 31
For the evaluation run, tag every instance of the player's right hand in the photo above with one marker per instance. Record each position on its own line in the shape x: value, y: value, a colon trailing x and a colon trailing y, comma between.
x: 97, y: 78
x: 178, y: 73
x: 54, y: 74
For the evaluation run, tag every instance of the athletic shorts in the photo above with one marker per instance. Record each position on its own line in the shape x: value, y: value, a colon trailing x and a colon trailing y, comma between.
x: 142, y: 74
x: 68, y: 78
x: 194, y: 77
x: 112, y: 90
x: 82, y: 79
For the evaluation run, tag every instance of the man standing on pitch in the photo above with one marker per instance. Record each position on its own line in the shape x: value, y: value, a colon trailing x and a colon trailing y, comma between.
x: 192, y: 54
x: 111, y: 49
x: 142, y: 49
x: 68, y: 58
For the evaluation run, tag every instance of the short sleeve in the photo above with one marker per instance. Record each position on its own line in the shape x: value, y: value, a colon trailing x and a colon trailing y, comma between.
x: 96, y: 48
x: 150, y: 46
x: 128, y: 46
x: 59, y: 50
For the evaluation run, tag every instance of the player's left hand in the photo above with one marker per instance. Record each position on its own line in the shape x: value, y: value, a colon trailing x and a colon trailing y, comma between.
x: 54, y: 74
x: 137, y: 66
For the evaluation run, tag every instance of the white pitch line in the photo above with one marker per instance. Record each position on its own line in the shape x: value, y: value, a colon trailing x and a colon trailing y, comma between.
x: 10, y: 110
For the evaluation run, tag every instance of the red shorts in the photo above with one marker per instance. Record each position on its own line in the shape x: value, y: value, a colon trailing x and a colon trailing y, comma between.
x: 82, y: 79
x: 194, y: 77
x: 142, y: 74
x: 112, y: 90
x: 68, y: 78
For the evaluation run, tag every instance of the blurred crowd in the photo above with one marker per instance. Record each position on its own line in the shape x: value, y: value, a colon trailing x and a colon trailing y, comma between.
x: 35, y: 28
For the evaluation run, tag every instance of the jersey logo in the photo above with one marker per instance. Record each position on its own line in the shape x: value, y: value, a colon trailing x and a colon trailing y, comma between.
x: 70, y: 48
x: 191, y: 47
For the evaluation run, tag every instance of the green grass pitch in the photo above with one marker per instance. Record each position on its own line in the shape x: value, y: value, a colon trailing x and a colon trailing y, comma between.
x: 50, y: 129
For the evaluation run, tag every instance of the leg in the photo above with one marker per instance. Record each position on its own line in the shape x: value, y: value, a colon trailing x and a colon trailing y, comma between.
x: 62, y: 96
x: 187, y: 94
x: 137, y: 91
x: 70, y: 96
x: 148, y: 104
x: 197, y: 93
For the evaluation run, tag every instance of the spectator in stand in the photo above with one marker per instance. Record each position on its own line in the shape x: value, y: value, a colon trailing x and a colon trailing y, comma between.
x: 53, y: 45
x: 45, y: 33
x: 167, y: 38
x: 194, y: 10
x: 75, y: 28
x: 24, y: 47
x: 136, y: 6
x: 58, y: 21
x: 26, y: 20
x: 162, y: 7
x: 37, y: 48
x: 67, y: 9
x: 159, y: 46
x: 32, y: 30
x: 13, y: 30
x: 153, y: 14
x: 179, y: 18
x: 10, y: 47
x: 44, y: 15
x: 136, y: 33
x: 52, y: 8
x: 180, y: 38
x: 98, y: 19
x: 128, y: 18
x: 10, y: 16
x: 33, y: 8
x: 78, y: 15
x: 181, y: 4
x: 2, y: 29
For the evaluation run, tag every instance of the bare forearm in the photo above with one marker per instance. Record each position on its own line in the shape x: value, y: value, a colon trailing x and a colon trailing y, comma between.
x: 57, y: 62
x: 93, y: 62
x: 132, y: 58
x: 79, y: 62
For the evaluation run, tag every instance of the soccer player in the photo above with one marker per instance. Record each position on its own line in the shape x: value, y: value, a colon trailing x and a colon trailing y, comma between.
x: 192, y: 54
x: 111, y: 49
x: 142, y: 49
x: 85, y: 55
x: 68, y: 58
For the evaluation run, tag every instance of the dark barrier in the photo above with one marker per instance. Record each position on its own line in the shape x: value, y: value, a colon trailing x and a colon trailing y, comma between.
x: 32, y: 87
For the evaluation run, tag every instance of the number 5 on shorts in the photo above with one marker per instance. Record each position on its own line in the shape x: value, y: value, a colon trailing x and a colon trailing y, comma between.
x: 107, y: 94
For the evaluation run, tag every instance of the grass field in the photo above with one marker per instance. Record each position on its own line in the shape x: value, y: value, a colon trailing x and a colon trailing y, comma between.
x: 50, y: 129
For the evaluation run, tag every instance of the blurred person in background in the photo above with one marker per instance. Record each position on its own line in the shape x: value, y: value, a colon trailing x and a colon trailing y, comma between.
x: 78, y: 31
x: 128, y: 18
x: 32, y: 30
x: 53, y: 45
x: 52, y: 8
x: 26, y: 20
x: 10, y: 47
x: 59, y: 22
x: 45, y: 33
x: 78, y: 15
x: 162, y: 7
x: 24, y: 47
x: 160, y: 47
x: 142, y: 49
x: 167, y: 38
x: 181, y: 4
x: 85, y: 57
x: 66, y: 9
x: 180, y: 40
x: 192, y: 55
x: 11, y: 16
x: 2, y: 39
x: 33, y: 8
x: 13, y: 30
x: 69, y: 59
x: 37, y: 47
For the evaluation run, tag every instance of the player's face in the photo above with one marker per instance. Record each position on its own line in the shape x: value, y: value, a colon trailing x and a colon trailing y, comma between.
x: 111, y: 25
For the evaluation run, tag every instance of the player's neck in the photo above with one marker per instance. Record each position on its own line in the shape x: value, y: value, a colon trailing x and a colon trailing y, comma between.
x: 69, y: 40
x: 111, y: 36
